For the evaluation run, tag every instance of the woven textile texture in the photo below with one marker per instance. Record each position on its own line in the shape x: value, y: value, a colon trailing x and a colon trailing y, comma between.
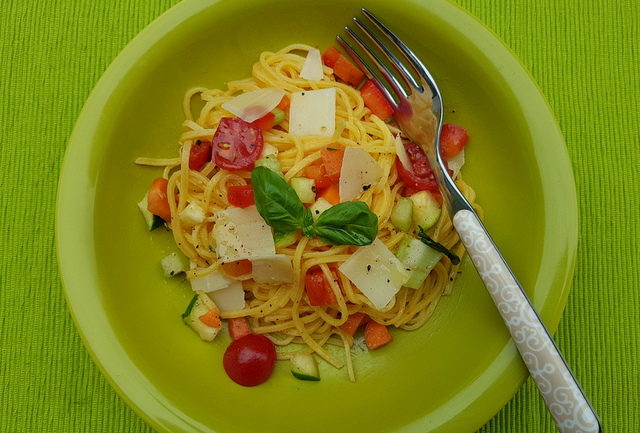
x: 584, y: 55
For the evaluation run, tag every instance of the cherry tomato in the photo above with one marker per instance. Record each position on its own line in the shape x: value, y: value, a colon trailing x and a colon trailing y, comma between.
x: 236, y: 144
x: 422, y: 178
x: 249, y: 360
x: 452, y: 140
x: 241, y: 195
x: 200, y: 154
x: 157, y: 201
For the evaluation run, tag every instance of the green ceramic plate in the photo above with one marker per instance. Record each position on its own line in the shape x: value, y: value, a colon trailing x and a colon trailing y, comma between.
x: 450, y: 376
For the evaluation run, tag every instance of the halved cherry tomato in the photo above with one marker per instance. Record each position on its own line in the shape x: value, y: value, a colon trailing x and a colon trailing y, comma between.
x: 236, y: 144
x: 199, y: 155
x: 237, y: 268
x: 249, y: 360
x: 318, y: 173
x: 452, y: 140
x: 157, y: 201
x: 241, y: 195
x: 332, y: 161
x: 318, y: 288
x: 422, y: 178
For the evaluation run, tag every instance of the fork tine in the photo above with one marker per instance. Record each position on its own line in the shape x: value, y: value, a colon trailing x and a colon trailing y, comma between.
x: 384, y: 70
x: 419, y: 67
x: 397, y: 64
x: 371, y: 73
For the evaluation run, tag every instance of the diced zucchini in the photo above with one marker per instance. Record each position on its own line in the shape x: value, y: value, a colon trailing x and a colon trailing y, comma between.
x: 192, y: 214
x: 418, y: 257
x: 174, y: 263
x: 304, y: 366
x: 199, y: 306
x: 402, y: 214
x: 279, y: 116
x: 426, y: 210
x: 318, y: 207
x: 284, y: 240
x: 271, y: 162
x: 305, y: 188
x: 152, y: 221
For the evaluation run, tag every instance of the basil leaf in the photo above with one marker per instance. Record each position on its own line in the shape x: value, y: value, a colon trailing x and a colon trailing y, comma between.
x: 348, y: 223
x: 276, y: 201
x: 424, y: 237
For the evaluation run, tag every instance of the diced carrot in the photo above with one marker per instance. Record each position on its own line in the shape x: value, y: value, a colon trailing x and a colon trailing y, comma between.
x: 353, y: 323
x: 376, y: 335
x: 238, y: 327
x: 265, y: 122
x: 332, y: 162
x: 375, y: 100
x: 237, y: 268
x: 331, y: 193
x: 284, y: 103
x: 318, y: 289
x: 211, y: 318
x: 347, y: 71
x: 318, y: 173
x: 330, y: 56
x: 157, y: 200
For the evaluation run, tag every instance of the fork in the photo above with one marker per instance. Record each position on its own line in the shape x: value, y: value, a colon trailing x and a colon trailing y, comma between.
x: 419, y: 112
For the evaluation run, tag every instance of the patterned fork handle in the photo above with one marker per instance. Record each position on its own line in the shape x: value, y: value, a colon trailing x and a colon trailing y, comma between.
x: 566, y: 401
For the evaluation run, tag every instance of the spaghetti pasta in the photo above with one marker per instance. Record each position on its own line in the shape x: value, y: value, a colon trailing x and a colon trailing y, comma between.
x: 283, y: 311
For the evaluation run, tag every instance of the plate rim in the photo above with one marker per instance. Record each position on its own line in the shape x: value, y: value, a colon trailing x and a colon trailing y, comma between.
x: 137, y: 392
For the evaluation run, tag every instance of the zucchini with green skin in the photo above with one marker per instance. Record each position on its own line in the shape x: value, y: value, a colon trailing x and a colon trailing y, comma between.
x: 174, y: 264
x: 283, y: 240
x: 304, y: 366
x: 304, y: 188
x: 402, y: 214
x: 420, y: 258
x: 200, y: 305
x: 426, y: 209
x: 271, y: 162
x: 152, y: 221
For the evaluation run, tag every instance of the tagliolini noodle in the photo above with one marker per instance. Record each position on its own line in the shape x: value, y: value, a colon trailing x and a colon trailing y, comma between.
x: 282, y: 311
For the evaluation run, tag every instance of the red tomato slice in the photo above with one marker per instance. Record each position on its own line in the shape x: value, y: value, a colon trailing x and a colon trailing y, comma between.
x: 157, y: 201
x: 241, y: 195
x: 422, y: 178
x: 249, y: 360
x: 452, y: 140
x: 199, y: 155
x: 318, y: 288
x: 375, y: 100
x: 236, y: 144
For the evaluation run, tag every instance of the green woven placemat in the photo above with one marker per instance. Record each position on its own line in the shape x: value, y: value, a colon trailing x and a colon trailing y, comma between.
x: 585, y: 57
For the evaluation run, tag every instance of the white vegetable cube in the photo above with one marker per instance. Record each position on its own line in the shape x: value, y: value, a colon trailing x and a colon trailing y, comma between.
x: 272, y: 269
x: 230, y: 298
x: 376, y: 272
x: 312, y: 67
x: 359, y: 172
x: 192, y: 214
x: 313, y: 112
x: 242, y: 234
x: 318, y: 207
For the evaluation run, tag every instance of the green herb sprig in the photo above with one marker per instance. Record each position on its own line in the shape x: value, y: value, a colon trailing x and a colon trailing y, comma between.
x: 424, y: 237
x: 348, y: 223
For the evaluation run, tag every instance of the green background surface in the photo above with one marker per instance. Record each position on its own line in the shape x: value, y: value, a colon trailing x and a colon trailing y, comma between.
x: 583, y: 54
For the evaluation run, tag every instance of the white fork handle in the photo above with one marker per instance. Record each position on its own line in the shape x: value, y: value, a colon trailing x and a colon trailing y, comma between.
x: 562, y: 394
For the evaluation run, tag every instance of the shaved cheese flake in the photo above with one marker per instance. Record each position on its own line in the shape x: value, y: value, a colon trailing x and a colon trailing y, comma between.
x: 312, y: 68
x: 358, y: 173
x: 253, y: 105
x: 377, y: 272
x: 455, y: 163
x: 209, y: 283
x: 313, y: 112
x: 272, y: 269
x: 402, y: 154
x: 242, y: 234
x: 230, y: 298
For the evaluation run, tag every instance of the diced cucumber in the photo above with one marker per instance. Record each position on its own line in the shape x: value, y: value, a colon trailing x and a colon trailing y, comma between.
x: 271, y: 162
x: 174, y: 263
x: 426, y: 210
x: 304, y: 366
x: 318, y: 207
x: 278, y: 116
x: 283, y: 240
x: 420, y: 258
x: 402, y: 214
x: 152, y: 221
x: 305, y: 188
x: 199, y: 306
